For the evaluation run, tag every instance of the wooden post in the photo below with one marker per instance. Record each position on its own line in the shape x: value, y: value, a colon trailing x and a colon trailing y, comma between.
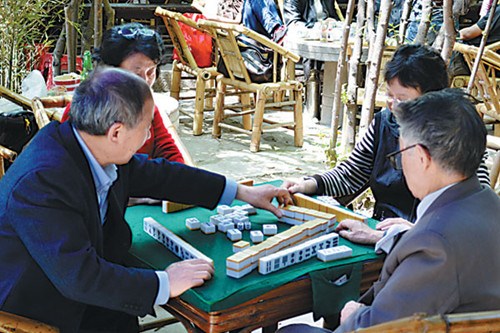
x: 486, y: 32
x: 425, y: 21
x: 374, y: 69
x: 449, y: 31
x: 370, y: 27
x: 58, y: 51
x: 110, y: 14
x: 341, y: 63
x: 97, y: 23
x: 349, y: 126
x: 70, y: 31
x: 404, y: 21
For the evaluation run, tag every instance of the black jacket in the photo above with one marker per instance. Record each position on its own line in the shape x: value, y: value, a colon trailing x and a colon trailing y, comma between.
x: 303, y: 12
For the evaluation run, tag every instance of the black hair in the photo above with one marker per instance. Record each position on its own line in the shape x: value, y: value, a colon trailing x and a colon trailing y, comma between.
x: 116, y: 45
x: 455, y: 137
x: 417, y: 66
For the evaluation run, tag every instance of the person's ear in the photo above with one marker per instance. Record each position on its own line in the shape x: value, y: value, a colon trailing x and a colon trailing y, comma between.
x: 114, y: 132
x: 424, y: 157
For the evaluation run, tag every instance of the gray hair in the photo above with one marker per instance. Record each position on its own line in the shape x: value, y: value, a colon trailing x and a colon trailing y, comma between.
x: 447, y: 124
x: 108, y: 96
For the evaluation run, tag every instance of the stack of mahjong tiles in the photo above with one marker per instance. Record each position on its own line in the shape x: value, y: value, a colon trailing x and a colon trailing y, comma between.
x: 312, y: 224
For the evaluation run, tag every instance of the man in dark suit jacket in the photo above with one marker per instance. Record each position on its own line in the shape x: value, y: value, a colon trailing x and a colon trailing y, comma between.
x: 446, y: 262
x: 308, y: 12
x: 63, y: 237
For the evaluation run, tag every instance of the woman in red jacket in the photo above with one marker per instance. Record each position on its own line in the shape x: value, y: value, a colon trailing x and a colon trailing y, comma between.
x: 140, y: 50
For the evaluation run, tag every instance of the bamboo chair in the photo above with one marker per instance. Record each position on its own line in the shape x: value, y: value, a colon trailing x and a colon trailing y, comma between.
x: 475, y: 322
x: 14, y: 323
x: 486, y: 82
x: 267, y: 96
x: 205, y: 77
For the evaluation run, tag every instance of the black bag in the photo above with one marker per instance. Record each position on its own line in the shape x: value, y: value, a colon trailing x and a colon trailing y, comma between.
x: 16, y: 130
x: 258, y: 61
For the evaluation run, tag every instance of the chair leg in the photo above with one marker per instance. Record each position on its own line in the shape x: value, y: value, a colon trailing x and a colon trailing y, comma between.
x: 298, y: 129
x: 247, y: 119
x: 258, y: 118
x: 176, y: 81
x: 219, y: 108
x: 209, y: 101
x: 199, y: 105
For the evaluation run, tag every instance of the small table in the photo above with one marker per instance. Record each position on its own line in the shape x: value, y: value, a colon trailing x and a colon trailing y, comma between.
x: 329, y: 53
x: 224, y: 303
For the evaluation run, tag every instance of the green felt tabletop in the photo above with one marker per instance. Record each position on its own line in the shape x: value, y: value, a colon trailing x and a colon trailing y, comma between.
x: 221, y: 292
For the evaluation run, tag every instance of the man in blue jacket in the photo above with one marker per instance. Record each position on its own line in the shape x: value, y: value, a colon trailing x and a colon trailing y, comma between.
x: 63, y: 237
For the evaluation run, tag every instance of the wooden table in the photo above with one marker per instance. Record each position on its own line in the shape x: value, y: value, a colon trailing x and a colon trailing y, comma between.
x: 290, y: 300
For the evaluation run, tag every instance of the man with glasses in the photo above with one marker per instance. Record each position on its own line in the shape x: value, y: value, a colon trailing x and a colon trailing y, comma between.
x: 442, y: 265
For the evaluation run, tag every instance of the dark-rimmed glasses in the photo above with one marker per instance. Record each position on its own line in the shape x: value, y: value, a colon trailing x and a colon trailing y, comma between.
x: 137, y: 33
x: 395, y: 156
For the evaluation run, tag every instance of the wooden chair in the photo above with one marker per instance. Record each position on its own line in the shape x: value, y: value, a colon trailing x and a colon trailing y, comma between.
x: 13, y: 323
x: 476, y: 322
x: 267, y: 96
x: 205, y: 77
x: 486, y: 82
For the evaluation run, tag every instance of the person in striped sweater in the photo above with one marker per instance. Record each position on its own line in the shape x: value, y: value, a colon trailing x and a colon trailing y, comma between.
x: 413, y: 71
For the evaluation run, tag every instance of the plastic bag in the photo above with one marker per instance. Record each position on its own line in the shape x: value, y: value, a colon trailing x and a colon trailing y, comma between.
x: 200, y: 43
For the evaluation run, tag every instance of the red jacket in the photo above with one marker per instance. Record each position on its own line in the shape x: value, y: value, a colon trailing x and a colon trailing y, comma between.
x: 160, y: 144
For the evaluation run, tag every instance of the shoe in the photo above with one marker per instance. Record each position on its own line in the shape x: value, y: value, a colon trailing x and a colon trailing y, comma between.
x: 279, y: 34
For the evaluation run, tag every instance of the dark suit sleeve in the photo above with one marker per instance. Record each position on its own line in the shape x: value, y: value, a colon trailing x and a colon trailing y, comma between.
x: 51, y: 219
x: 424, y: 281
x: 161, y: 179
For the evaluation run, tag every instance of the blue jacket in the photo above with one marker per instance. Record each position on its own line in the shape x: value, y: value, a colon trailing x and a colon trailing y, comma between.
x: 55, y: 256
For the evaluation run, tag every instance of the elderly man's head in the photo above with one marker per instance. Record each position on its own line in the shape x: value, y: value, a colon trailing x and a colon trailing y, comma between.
x: 113, y: 111
x: 441, y: 135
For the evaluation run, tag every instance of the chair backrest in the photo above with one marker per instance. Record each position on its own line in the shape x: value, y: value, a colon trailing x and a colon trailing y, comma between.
x: 475, y: 322
x: 485, y: 80
x: 13, y: 323
x: 171, y: 20
x: 225, y: 36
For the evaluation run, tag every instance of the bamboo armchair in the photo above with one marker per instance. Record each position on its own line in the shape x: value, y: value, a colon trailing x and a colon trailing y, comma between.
x: 476, y: 322
x: 205, y: 77
x: 486, y: 82
x: 13, y: 323
x: 282, y: 94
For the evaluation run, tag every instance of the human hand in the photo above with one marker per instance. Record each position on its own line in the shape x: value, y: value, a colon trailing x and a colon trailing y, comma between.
x: 358, y: 232
x: 306, y: 186
x: 348, y: 309
x: 261, y: 197
x: 387, y: 223
x: 187, y: 274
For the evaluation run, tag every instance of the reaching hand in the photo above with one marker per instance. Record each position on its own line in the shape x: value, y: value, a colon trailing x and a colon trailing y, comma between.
x: 187, y: 274
x: 348, y: 309
x: 387, y: 223
x: 358, y: 232
x: 261, y: 197
x: 306, y: 186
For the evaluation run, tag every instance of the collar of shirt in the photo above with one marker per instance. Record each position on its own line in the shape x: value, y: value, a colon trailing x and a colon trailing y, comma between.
x: 429, y: 199
x: 103, y: 177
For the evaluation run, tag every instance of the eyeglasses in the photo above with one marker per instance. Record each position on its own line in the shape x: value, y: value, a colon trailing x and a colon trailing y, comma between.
x: 393, y: 100
x: 137, y: 33
x: 395, y: 157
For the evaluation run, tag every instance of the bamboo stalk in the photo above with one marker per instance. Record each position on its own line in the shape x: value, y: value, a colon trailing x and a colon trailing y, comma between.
x: 486, y: 32
x: 374, y: 70
x: 341, y: 63
x: 349, y: 127
x: 425, y: 21
x: 6, y: 153
x: 404, y: 20
x: 40, y: 116
x: 449, y: 31
x: 15, y: 98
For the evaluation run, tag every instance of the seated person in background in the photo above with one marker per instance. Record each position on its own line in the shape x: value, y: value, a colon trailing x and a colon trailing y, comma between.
x: 416, y: 17
x: 63, y: 236
x: 140, y: 50
x: 472, y: 35
x: 413, y: 70
x: 443, y: 264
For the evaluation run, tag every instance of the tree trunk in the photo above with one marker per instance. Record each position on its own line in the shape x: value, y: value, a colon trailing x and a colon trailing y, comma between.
x: 425, y: 22
x: 439, y: 41
x: 110, y: 15
x: 370, y: 25
x: 58, y: 51
x: 97, y: 23
x: 337, y: 108
x: 449, y: 30
x: 405, y: 15
x: 486, y: 32
x: 349, y: 126
x: 374, y: 69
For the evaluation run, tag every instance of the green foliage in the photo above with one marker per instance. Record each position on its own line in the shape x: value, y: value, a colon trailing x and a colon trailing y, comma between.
x: 24, y: 26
